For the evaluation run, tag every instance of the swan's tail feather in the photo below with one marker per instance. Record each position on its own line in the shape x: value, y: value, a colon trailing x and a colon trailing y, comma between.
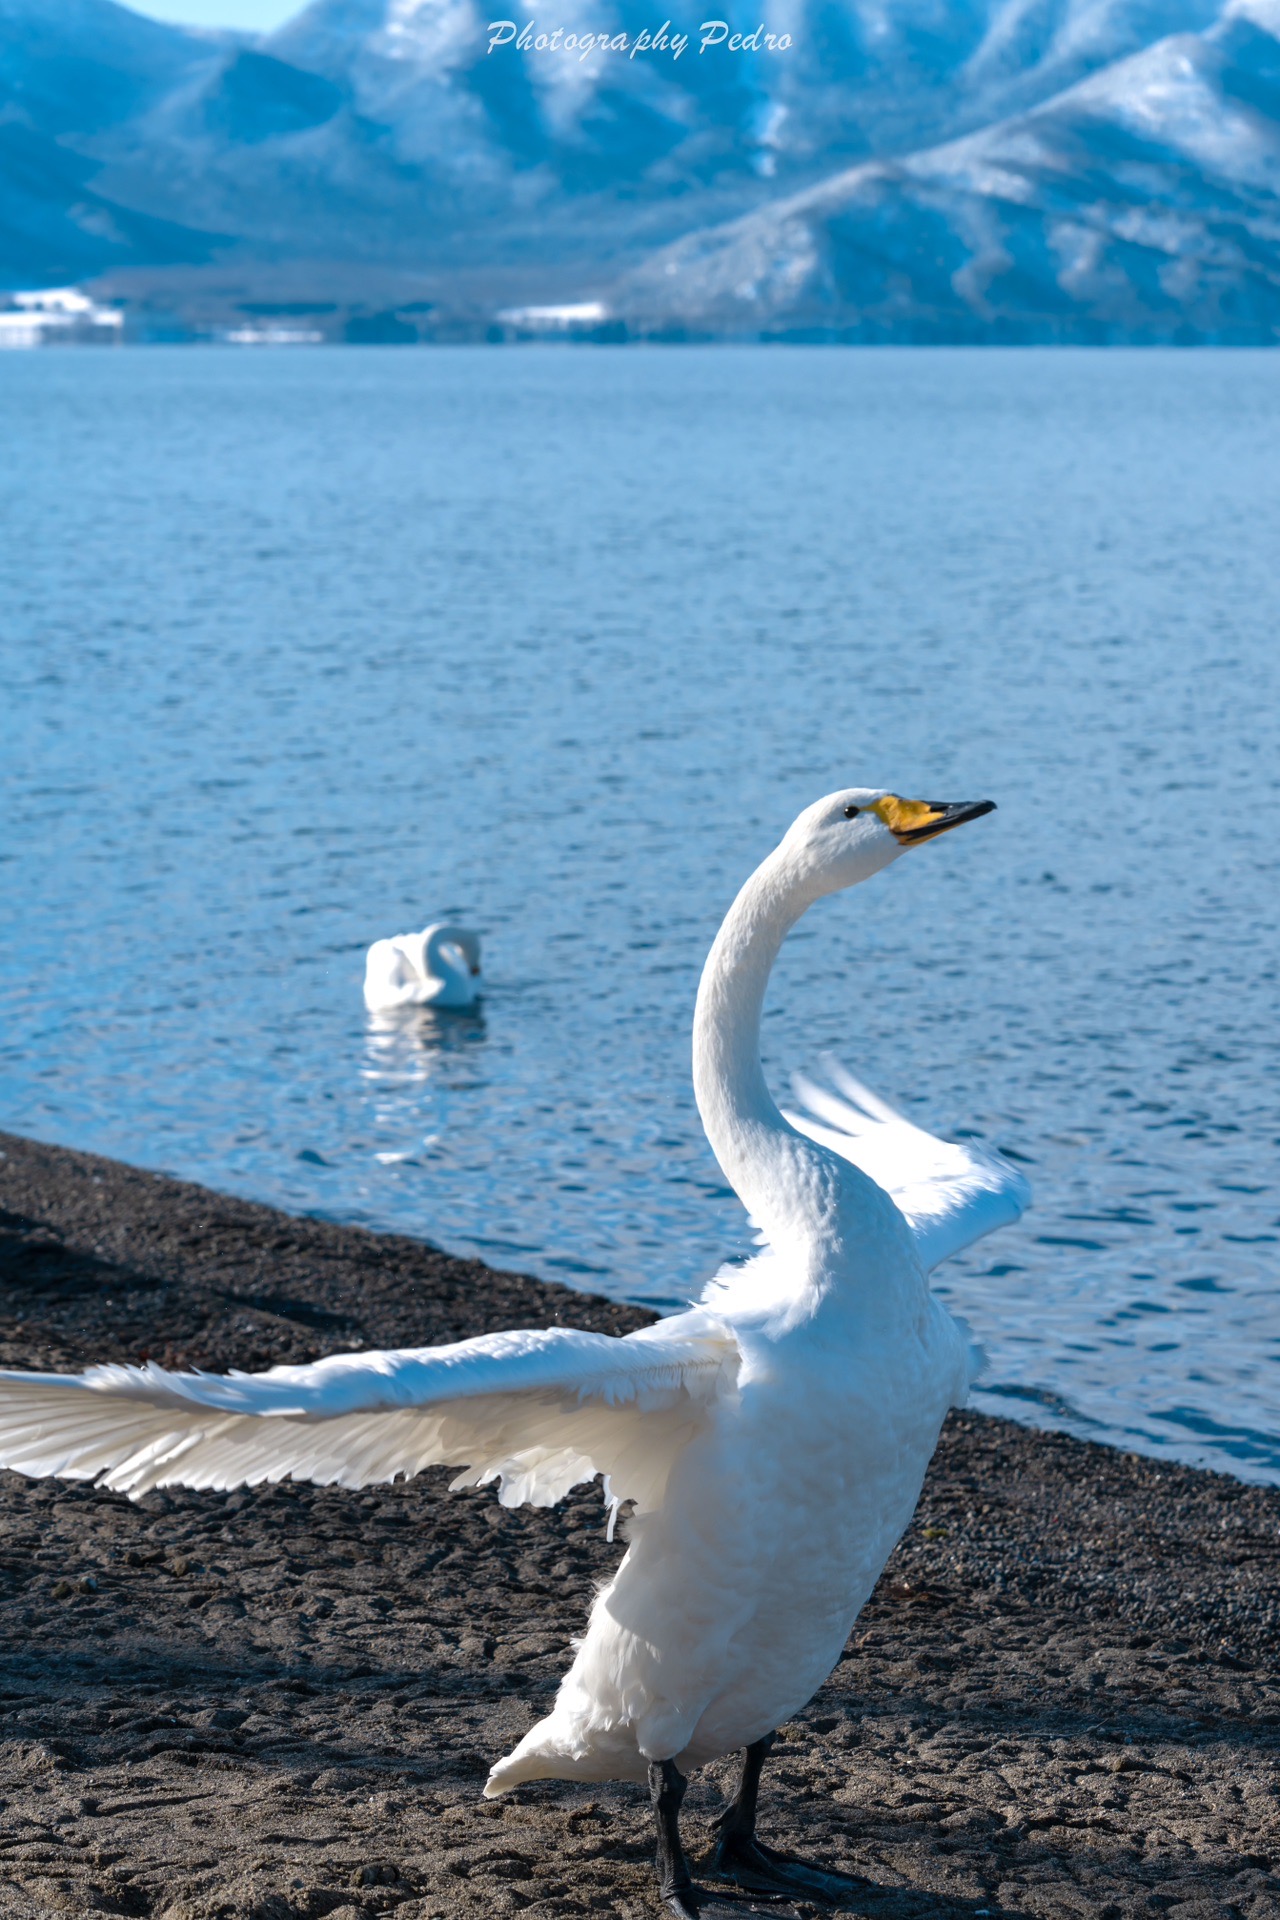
x: 556, y: 1749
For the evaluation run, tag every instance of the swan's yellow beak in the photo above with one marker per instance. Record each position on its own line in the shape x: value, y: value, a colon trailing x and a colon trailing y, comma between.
x: 911, y: 821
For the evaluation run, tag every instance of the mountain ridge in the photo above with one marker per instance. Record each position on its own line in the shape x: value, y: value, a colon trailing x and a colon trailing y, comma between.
x: 1141, y: 203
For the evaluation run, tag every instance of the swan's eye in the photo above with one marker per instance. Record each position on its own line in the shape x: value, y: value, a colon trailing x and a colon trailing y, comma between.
x: 851, y: 813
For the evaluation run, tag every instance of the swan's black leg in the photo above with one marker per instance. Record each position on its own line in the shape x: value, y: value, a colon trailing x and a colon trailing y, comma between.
x: 739, y: 1817
x: 740, y: 1857
x: 680, y: 1896
x: 675, y: 1882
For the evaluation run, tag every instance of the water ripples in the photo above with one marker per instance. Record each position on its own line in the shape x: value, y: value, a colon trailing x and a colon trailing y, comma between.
x: 309, y: 649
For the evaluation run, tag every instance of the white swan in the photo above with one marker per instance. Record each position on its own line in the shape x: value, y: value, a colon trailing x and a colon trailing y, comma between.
x: 439, y: 967
x: 773, y: 1438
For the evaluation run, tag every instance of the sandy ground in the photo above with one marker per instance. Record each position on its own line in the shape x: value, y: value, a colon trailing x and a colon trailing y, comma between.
x: 1060, y: 1702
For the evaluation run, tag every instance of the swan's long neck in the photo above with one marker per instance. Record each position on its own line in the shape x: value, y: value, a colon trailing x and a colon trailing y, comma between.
x: 439, y: 964
x: 787, y: 1183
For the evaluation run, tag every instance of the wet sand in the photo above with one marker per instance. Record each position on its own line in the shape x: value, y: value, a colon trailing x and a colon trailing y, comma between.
x: 1061, y: 1701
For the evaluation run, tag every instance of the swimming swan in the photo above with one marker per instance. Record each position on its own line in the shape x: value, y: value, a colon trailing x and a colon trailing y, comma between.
x: 439, y: 967
x: 772, y: 1439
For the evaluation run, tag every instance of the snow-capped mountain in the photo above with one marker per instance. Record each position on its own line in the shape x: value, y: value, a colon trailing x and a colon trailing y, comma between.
x: 858, y: 78
x: 1142, y: 203
x: 890, y: 167
x: 390, y: 126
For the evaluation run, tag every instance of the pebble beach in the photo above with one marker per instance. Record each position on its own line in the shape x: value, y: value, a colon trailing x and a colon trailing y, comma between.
x: 280, y: 1704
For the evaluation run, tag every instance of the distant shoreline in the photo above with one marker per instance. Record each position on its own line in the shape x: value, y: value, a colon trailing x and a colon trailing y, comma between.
x: 486, y: 335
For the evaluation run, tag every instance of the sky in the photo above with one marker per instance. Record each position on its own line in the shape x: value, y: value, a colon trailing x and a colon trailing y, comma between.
x: 258, y: 16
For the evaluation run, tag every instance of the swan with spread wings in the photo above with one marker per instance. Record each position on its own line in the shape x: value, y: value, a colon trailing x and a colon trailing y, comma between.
x: 771, y: 1441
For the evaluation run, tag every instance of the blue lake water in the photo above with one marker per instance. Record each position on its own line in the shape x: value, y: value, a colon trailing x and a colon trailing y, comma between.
x: 302, y: 649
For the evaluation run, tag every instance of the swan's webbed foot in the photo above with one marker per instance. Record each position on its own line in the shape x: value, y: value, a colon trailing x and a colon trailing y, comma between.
x: 719, y: 1903
x: 681, y: 1897
x: 759, y: 1869
x: 749, y: 1864
x: 698, y: 1903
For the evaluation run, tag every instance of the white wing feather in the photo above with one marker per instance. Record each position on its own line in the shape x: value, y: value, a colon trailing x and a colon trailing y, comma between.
x: 539, y: 1410
x: 950, y: 1194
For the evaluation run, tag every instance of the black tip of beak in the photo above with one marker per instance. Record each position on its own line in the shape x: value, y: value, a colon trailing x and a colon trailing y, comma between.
x: 970, y: 810
x: 946, y: 814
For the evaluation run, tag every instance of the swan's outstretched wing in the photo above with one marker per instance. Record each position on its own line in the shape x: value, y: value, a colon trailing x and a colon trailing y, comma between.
x: 540, y: 1411
x: 951, y: 1193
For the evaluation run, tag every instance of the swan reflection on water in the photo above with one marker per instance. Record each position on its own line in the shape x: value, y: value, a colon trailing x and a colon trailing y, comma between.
x: 414, y: 1059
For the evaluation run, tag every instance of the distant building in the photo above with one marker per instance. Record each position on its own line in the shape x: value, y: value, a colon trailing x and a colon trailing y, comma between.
x: 561, y: 319
x: 57, y: 316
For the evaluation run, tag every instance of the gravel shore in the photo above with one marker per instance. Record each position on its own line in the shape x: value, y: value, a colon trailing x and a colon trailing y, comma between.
x: 1061, y: 1701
